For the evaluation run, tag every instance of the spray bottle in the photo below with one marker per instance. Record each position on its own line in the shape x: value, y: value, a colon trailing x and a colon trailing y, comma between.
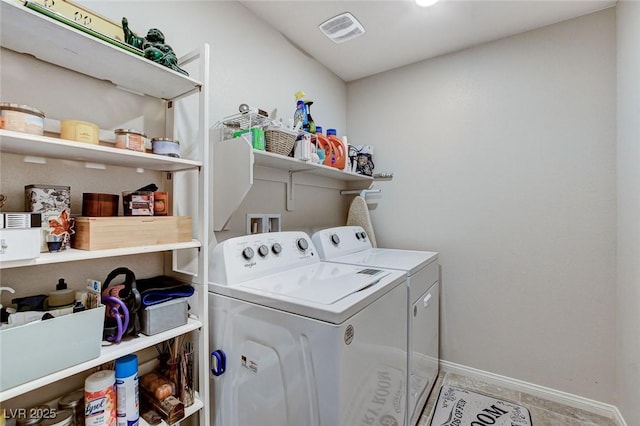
x: 300, y: 118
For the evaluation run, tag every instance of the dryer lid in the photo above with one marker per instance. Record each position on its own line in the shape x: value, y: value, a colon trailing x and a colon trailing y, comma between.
x: 405, y: 260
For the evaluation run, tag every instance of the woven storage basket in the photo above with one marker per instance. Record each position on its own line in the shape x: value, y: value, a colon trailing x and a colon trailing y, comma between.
x: 279, y: 141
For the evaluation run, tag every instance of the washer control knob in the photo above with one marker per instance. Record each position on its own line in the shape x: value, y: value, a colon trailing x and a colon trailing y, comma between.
x: 335, y: 239
x: 276, y: 248
x: 263, y: 250
x: 363, y: 235
x: 358, y: 235
x: 247, y: 253
x: 302, y: 244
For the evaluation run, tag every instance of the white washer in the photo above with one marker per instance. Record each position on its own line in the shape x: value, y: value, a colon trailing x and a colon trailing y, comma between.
x: 300, y: 342
x: 350, y: 245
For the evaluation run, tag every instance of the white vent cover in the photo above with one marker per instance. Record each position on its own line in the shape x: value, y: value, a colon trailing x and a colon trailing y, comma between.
x: 342, y: 28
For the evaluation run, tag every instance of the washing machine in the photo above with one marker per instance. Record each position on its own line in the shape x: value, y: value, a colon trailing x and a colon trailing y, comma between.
x: 299, y: 342
x: 350, y: 245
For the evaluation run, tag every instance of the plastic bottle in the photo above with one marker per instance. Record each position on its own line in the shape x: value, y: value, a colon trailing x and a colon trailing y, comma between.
x: 310, y: 125
x: 324, y: 146
x: 128, y: 406
x: 62, y: 296
x: 347, y: 162
x: 100, y: 399
x: 300, y: 115
x: 339, y: 149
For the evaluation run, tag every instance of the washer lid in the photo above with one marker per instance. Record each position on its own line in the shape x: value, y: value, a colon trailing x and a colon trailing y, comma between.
x: 321, y: 287
x: 325, y: 291
x: 405, y: 260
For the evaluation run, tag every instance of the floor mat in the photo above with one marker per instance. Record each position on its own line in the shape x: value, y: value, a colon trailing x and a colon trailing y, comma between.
x: 461, y: 407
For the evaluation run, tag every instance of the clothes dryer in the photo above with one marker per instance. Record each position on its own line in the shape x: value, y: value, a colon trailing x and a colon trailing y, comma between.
x: 296, y: 341
x: 351, y: 245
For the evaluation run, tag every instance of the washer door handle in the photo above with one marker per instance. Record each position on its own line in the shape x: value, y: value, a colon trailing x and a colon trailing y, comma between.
x: 218, y: 362
x: 426, y: 300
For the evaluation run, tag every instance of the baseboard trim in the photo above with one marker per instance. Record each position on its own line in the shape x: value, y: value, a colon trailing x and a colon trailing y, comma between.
x: 561, y: 397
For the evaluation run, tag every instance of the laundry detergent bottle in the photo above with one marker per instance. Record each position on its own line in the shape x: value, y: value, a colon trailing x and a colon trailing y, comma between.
x: 339, y: 149
x: 323, y: 144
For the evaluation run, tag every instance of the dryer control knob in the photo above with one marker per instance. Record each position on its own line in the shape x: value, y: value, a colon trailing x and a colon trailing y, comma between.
x: 302, y: 244
x: 247, y: 253
x: 335, y: 239
x: 263, y: 250
x: 276, y: 248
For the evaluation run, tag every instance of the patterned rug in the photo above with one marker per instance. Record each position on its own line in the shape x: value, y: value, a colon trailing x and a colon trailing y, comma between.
x: 462, y: 407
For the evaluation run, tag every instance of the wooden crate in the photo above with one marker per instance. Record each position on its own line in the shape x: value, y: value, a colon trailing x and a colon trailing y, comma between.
x: 99, y: 233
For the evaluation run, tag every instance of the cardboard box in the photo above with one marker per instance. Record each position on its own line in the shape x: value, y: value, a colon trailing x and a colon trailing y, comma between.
x: 85, y: 17
x: 34, y: 350
x: 100, y: 233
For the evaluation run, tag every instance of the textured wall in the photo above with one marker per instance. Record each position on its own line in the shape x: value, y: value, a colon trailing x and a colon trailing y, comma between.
x: 504, y: 161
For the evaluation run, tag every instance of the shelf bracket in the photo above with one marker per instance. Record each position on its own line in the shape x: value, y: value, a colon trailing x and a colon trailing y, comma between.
x: 291, y: 196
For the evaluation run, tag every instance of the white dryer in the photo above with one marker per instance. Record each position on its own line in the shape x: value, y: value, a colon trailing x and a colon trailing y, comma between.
x: 299, y: 342
x: 350, y: 245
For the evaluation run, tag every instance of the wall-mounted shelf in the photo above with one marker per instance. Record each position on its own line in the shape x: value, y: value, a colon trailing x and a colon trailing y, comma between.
x: 26, y: 31
x: 276, y: 161
x: 234, y: 162
x: 44, y: 146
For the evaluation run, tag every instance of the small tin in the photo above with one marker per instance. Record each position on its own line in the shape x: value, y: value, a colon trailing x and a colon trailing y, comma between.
x: 21, y: 118
x: 28, y: 419
x: 160, y: 203
x: 34, y: 415
x: 79, y: 131
x: 99, y: 205
x: 60, y: 418
x: 130, y: 139
x: 166, y: 146
x: 137, y: 203
x: 74, y: 401
x: 54, y: 202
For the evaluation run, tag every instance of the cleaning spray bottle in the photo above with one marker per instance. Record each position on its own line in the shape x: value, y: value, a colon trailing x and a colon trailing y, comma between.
x: 300, y: 118
x: 311, y: 125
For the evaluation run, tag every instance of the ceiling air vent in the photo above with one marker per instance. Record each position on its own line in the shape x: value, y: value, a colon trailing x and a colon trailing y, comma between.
x: 342, y: 28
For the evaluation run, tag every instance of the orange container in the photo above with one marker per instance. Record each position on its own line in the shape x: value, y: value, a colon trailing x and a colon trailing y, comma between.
x: 324, y: 143
x: 339, y: 151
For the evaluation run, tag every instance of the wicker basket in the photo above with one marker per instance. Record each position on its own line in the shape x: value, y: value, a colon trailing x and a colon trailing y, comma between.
x: 280, y: 141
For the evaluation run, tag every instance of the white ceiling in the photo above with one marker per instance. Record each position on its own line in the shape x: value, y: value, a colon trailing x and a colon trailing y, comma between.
x: 399, y: 32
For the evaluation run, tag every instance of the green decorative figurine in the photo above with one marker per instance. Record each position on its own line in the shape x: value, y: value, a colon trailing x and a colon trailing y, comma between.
x: 153, y: 46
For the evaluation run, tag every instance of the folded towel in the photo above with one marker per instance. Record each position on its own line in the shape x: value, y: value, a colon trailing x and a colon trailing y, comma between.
x: 161, y: 289
x: 359, y: 216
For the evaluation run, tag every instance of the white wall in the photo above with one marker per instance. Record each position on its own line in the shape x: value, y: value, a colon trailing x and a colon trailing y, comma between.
x: 628, y: 348
x: 250, y: 63
x: 504, y: 161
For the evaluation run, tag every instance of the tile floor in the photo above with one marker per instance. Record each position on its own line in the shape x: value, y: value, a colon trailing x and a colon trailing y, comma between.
x: 543, y: 412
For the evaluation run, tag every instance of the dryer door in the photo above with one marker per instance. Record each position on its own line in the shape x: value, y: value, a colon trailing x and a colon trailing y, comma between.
x: 424, y: 351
